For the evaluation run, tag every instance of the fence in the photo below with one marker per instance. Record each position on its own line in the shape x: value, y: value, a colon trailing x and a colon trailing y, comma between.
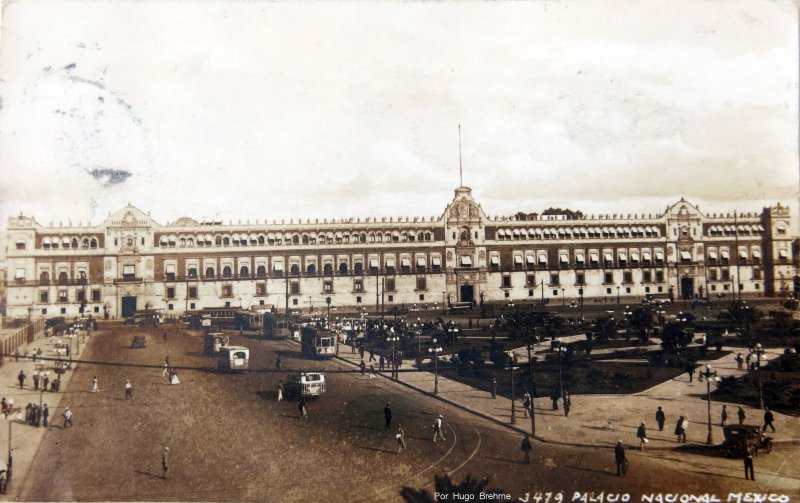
x: 10, y: 341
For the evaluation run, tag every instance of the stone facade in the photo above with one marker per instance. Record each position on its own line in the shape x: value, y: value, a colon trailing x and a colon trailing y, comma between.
x: 131, y: 262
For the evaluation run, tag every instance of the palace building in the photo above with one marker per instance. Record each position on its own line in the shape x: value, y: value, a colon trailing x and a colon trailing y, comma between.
x: 131, y: 262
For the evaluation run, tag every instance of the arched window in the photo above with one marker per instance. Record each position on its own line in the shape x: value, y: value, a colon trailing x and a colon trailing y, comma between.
x: 44, y: 278
x: 305, y: 239
x: 226, y: 271
x: 182, y: 242
x: 294, y: 270
x: 93, y: 243
x: 244, y: 271
x: 327, y: 270
x: 261, y: 240
x: 261, y: 271
x: 226, y: 241
x: 218, y: 240
x: 210, y: 272
x: 311, y: 270
x: 62, y: 277
x: 74, y: 242
x: 295, y: 240
x: 85, y: 243
x: 343, y: 269
x: 358, y: 268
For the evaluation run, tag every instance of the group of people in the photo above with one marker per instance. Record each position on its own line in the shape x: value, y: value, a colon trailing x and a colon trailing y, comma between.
x: 37, y: 416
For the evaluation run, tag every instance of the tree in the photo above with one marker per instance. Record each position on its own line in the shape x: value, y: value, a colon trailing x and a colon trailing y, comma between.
x: 673, y: 337
x: 444, y: 485
x: 642, y: 321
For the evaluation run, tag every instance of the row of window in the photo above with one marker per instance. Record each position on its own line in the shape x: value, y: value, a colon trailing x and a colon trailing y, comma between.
x: 62, y: 296
x: 577, y: 233
x: 270, y: 239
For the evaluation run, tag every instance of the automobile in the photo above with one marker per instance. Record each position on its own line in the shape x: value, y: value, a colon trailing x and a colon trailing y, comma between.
x: 138, y: 341
x: 305, y: 384
x: 741, y: 436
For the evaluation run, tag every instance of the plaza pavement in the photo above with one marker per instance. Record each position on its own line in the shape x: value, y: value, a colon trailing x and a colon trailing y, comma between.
x: 602, y: 420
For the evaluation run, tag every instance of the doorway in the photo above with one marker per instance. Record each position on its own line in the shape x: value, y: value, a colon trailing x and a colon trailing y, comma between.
x: 128, y: 306
x: 467, y: 294
x: 687, y: 288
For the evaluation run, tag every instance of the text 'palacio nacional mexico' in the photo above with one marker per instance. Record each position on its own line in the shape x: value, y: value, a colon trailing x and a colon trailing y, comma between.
x: 131, y: 262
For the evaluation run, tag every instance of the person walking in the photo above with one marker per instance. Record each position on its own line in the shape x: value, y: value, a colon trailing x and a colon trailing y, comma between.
x: 67, y: 417
x: 128, y: 390
x: 164, y: 462
x: 46, y: 416
x: 165, y: 373
x: 36, y: 380
x: 363, y: 367
x: 381, y: 363
x: 661, y: 418
x: 526, y: 404
x: 280, y: 391
x: 95, y: 383
x: 747, y: 458
x: 387, y: 415
x: 21, y: 377
x: 278, y: 362
x: 567, y: 404
x: 690, y: 371
x: 46, y: 381
x: 400, y: 436
x: 29, y: 413
x: 739, y: 361
x: 302, y: 408
x: 641, y: 434
x: 619, y: 457
x: 740, y: 414
x: 372, y: 371
x: 527, y: 448
x: 768, y: 419
x: 679, y: 431
x: 724, y: 415
x: 437, y: 428
x: 494, y: 387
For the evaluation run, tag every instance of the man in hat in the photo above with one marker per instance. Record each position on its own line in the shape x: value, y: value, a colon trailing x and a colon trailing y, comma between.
x: 67, y: 417
x: 165, y: 463
x: 527, y: 448
x: 387, y: 414
x: 128, y: 389
x: 641, y: 433
x: 619, y: 457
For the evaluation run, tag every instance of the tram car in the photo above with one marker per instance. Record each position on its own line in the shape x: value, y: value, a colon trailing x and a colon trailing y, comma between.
x: 316, y: 343
x: 233, y: 358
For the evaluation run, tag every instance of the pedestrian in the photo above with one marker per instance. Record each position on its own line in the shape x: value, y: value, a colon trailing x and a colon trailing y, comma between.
x: 641, y: 434
x: 46, y: 416
x: 401, y: 439
x: 724, y: 415
x: 527, y: 448
x: 21, y: 377
x: 46, y: 381
x: 381, y: 362
x: 302, y: 407
x: 526, y: 404
x: 280, y: 391
x: 94, y: 384
x: 740, y: 414
x: 361, y: 351
x: 494, y: 387
x: 690, y: 371
x: 554, y: 398
x: 619, y: 457
x: 660, y: 419
x: 768, y: 418
x: 29, y: 413
x: 371, y: 356
x: 166, y: 370
x: 437, y: 428
x: 747, y: 457
x: 739, y: 361
x: 679, y: 431
x: 165, y: 463
x: 363, y: 367
x: 16, y: 355
x: 372, y: 371
x: 37, y: 416
x: 567, y: 404
x: 5, y: 408
x: 36, y: 380
x: 387, y: 415
x: 67, y: 417
x: 278, y: 362
x: 128, y: 390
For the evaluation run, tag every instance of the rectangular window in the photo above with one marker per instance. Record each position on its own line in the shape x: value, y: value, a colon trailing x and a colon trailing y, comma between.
x: 294, y: 288
x: 554, y: 279
x: 62, y: 296
x: 530, y: 279
x: 80, y: 295
x: 390, y: 298
x: 63, y: 310
x: 647, y: 289
x: 327, y: 286
x: 725, y: 287
x: 627, y: 277
x: 712, y: 275
x: 261, y: 289
x: 171, y: 292
x: 192, y: 272
x: 192, y: 292
x: 128, y: 272
x: 95, y: 295
x: 390, y: 284
x: 580, y: 278
x: 358, y: 300
x: 725, y: 275
x: 659, y: 277
x: 422, y: 284
x: 294, y: 301
x: 756, y: 273
x: 421, y: 297
x: 647, y: 277
x: 358, y: 285
x: 44, y: 297
x: 608, y: 278
x: 506, y: 281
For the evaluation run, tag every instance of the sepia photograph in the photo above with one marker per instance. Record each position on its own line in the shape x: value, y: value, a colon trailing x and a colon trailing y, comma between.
x: 400, y: 251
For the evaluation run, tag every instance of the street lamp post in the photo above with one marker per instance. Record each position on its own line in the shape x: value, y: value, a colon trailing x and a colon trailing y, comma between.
x: 513, y: 401
x: 708, y: 374
x: 452, y: 332
x: 758, y: 351
x: 563, y: 300
x: 617, y: 294
x: 393, y: 338
x: 560, y: 350
x: 434, y: 351
x: 532, y: 387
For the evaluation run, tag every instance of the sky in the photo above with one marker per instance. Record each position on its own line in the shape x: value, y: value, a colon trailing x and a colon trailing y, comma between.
x: 277, y: 110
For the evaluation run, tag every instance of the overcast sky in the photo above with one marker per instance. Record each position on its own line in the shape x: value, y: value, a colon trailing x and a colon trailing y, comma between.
x: 226, y: 110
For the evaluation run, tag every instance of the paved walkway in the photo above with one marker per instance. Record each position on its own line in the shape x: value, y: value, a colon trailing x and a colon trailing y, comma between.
x: 25, y: 439
x: 602, y: 420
